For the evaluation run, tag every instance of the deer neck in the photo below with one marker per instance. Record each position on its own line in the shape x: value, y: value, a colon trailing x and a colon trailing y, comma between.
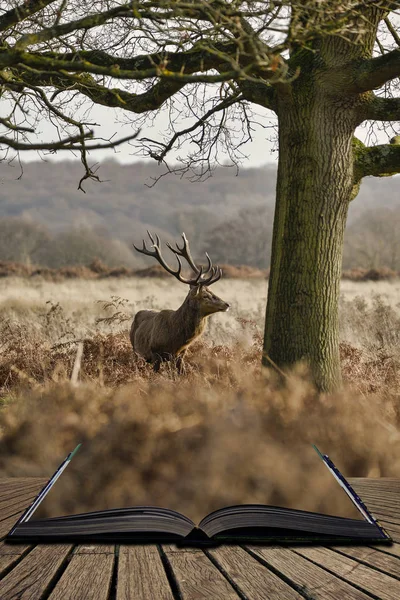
x: 190, y: 322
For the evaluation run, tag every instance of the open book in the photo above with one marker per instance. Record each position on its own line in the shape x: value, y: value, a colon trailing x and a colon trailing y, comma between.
x: 249, y: 523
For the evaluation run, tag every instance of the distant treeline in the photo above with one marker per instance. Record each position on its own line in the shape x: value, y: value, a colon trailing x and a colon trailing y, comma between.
x: 371, y: 242
x: 98, y: 270
x: 45, y: 221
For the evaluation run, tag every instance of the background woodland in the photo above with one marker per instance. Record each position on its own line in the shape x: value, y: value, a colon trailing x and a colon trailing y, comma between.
x: 46, y: 221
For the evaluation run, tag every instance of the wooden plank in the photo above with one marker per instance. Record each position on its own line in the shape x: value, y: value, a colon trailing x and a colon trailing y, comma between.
x: 381, y: 496
x: 393, y: 530
x: 7, y: 562
x: 14, y: 504
x: 377, y: 487
x: 6, y: 549
x: 384, y: 500
x: 392, y: 510
x: 253, y: 579
x: 374, y: 480
x: 386, y: 516
x: 312, y: 580
x: 377, y: 490
x: 11, y: 496
x: 87, y: 577
x: 95, y: 549
x: 392, y: 482
x: 30, y: 578
x: 374, y: 582
x: 391, y: 500
x: 11, y: 516
x: 196, y: 576
x: 17, y: 508
x: 6, y: 525
x: 6, y: 491
x: 5, y: 502
x: 141, y: 574
x: 393, y: 549
x: 8, y: 482
x: 10, y: 554
x: 393, y: 504
x: 8, y: 488
x: 376, y: 507
x: 383, y: 513
x: 370, y: 556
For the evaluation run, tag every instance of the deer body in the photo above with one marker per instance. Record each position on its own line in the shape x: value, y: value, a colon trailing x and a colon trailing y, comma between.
x: 166, y: 334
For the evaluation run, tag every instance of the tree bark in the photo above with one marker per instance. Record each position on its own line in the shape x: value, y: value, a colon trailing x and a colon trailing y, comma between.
x: 314, y: 188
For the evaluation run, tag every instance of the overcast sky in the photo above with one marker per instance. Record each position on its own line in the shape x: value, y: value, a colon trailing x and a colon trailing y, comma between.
x: 260, y: 151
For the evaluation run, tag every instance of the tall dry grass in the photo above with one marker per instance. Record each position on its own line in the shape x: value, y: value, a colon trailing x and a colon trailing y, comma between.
x: 226, y: 432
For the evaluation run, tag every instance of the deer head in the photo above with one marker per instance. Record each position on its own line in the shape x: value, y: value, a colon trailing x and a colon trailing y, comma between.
x: 199, y: 293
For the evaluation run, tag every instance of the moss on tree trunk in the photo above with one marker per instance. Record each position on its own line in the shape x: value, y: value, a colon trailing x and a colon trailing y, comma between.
x: 314, y: 188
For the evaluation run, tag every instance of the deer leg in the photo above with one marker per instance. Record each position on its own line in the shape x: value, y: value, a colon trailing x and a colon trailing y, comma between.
x: 157, y: 359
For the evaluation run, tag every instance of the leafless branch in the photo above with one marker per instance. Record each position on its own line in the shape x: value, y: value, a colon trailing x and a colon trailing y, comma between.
x: 393, y: 31
x: 14, y: 127
x: 21, y: 12
x: 381, y: 109
x: 378, y: 161
x: 159, y: 156
x: 375, y: 72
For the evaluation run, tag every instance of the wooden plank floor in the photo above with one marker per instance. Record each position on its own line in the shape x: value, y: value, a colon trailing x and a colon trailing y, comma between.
x: 153, y: 572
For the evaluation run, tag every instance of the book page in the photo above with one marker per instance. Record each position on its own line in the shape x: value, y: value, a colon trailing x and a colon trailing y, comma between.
x: 279, y: 477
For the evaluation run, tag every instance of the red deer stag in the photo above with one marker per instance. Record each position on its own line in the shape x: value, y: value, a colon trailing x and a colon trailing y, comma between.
x: 166, y: 334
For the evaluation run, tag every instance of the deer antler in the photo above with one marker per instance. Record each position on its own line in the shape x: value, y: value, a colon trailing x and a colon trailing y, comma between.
x: 214, y: 273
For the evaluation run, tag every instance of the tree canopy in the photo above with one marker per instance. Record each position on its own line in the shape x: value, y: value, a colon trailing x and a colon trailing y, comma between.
x: 210, y: 60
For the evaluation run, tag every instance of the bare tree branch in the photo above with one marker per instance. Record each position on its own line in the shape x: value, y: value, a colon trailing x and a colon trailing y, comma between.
x: 188, y: 60
x: 19, y: 13
x: 381, y: 109
x: 14, y: 127
x: 165, y: 148
x: 87, y: 22
x: 214, y: 12
x: 64, y: 144
x: 53, y: 67
x: 374, y: 73
x: 393, y: 31
x: 259, y: 92
x: 149, y: 100
x: 179, y: 66
x: 378, y: 161
x: 69, y: 143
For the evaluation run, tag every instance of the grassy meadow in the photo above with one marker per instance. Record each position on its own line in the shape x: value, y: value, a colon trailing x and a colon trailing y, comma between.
x: 225, y: 432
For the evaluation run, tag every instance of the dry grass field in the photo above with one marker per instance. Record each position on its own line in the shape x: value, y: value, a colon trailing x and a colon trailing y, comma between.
x: 225, y: 432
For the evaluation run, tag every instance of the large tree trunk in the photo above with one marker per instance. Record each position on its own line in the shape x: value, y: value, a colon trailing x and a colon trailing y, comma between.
x: 314, y: 187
